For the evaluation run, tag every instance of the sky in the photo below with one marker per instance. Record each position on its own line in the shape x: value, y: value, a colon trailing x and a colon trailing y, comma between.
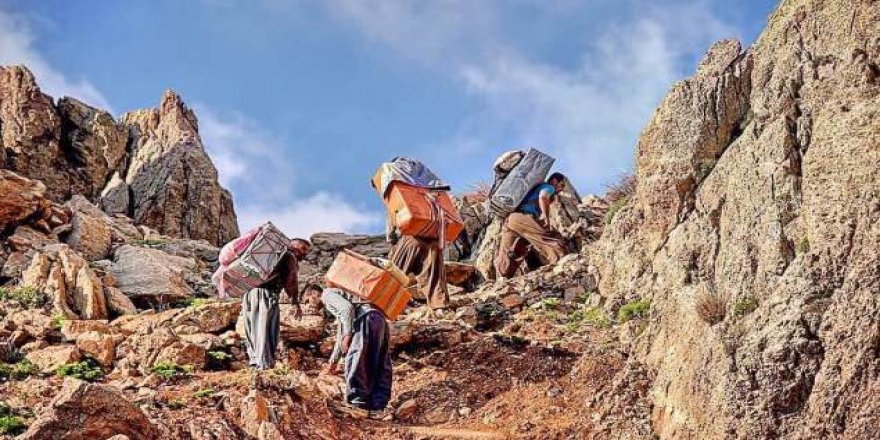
x: 299, y: 101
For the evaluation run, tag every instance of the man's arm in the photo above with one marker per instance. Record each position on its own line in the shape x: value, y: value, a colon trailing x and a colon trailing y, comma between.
x: 343, y: 311
x: 545, y: 197
x: 291, y: 282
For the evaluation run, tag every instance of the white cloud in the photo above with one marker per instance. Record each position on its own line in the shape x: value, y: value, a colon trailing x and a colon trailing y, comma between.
x: 17, y: 47
x: 249, y: 159
x: 321, y: 212
x: 253, y: 163
x: 590, y: 115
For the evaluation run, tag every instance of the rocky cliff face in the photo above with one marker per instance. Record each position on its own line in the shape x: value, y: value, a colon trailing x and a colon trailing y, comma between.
x: 758, y: 190
x: 150, y: 166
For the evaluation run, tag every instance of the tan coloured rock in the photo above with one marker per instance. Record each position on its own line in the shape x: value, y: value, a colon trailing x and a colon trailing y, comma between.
x: 151, y: 275
x: 118, y: 303
x: 50, y: 358
x: 75, y: 289
x: 99, y: 346
x: 72, y: 329
x: 30, y: 132
x: 83, y: 411
x: 254, y: 412
x: 22, y: 198
x: 94, y: 142
x: 91, y: 235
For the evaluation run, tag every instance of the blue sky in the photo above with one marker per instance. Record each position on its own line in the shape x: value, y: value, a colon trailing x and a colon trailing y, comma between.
x: 300, y: 100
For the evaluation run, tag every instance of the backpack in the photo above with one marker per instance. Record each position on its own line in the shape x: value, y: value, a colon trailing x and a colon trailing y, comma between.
x: 256, y: 257
x: 530, y: 171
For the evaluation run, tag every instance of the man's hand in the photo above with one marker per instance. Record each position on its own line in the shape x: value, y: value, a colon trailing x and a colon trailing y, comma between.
x: 346, y: 343
x: 297, y: 311
x: 544, y: 221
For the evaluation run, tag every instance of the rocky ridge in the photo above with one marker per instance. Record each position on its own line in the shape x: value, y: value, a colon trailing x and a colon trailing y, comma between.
x: 729, y: 292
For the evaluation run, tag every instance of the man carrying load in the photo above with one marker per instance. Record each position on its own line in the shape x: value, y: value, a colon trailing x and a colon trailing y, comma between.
x: 262, y: 323
x: 421, y: 221
x: 531, y: 222
x: 362, y: 345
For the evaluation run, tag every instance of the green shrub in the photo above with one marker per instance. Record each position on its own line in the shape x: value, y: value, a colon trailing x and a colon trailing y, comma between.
x: 58, y: 321
x: 547, y: 304
x: 592, y: 316
x: 745, y: 305
x: 88, y: 370
x: 206, y: 392
x: 803, y: 246
x: 615, y: 207
x: 219, y: 360
x: 171, y: 370
x: 28, y: 297
x: 17, y: 371
x: 12, y: 425
x: 191, y: 302
x: 634, y: 309
x: 176, y: 404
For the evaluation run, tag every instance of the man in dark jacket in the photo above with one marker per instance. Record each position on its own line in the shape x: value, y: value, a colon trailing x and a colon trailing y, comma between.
x: 259, y: 306
x: 362, y: 342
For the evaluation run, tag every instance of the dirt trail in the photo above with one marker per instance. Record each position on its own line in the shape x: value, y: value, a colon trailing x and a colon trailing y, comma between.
x: 454, y: 433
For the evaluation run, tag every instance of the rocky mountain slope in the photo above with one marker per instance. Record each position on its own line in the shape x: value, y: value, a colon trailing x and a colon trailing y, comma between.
x: 729, y: 290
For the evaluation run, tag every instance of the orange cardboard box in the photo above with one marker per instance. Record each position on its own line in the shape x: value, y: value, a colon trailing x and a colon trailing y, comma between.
x: 419, y: 212
x: 384, y: 288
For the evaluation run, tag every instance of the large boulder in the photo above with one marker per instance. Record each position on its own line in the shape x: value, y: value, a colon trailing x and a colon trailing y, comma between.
x: 50, y: 358
x: 150, y: 275
x: 91, y: 234
x: 76, y: 290
x: 21, y: 198
x: 84, y: 411
x: 170, y: 183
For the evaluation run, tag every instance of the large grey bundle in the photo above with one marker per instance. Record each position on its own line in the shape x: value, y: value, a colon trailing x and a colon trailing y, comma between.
x: 530, y: 171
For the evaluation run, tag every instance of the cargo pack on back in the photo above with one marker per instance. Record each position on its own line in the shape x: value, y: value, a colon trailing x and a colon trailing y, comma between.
x: 374, y: 280
x: 418, y: 203
x: 531, y: 170
x: 250, y: 260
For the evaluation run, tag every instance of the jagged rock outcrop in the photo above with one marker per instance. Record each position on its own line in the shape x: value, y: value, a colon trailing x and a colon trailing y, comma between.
x: 150, y: 166
x: 75, y: 289
x: 170, y: 183
x: 758, y: 185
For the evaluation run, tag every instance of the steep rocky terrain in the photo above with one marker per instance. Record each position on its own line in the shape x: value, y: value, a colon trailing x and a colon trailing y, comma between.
x: 728, y: 290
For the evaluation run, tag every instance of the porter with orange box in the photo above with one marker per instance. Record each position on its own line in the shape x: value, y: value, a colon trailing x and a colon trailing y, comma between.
x: 374, y: 280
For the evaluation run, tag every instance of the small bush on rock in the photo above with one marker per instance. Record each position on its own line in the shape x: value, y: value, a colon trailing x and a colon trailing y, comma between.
x: 745, y: 305
x: 615, y: 207
x: 634, y: 309
x: 17, y: 371
x: 88, y: 370
x: 219, y: 360
x: 12, y: 425
x: 171, y: 370
x: 206, y: 392
x: 28, y: 297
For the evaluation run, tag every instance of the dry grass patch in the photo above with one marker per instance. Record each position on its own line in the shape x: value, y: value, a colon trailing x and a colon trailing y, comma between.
x: 711, y: 307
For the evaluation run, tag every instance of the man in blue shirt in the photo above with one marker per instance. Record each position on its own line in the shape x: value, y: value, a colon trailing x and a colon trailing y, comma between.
x: 530, y: 224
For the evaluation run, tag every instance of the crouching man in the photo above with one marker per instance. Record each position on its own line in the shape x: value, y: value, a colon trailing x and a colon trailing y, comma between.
x: 259, y: 306
x: 362, y: 346
x: 531, y: 223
